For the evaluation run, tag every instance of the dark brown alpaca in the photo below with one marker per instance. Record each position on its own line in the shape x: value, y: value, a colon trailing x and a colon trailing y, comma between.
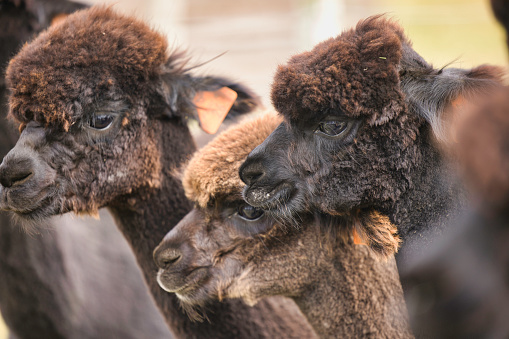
x: 363, y: 112
x: 53, y: 284
x: 103, y: 109
x: 226, y: 249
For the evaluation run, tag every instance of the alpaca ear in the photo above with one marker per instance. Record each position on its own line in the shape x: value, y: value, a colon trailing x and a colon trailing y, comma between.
x: 376, y: 232
x: 440, y: 96
x: 208, y: 99
x: 219, y: 98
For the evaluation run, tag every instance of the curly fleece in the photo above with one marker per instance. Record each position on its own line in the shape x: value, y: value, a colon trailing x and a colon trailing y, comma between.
x: 209, y: 173
x: 355, y: 72
x: 42, y: 86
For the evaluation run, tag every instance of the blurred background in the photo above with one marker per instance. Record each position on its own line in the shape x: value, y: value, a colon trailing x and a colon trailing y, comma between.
x: 252, y: 37
x: 259, y: 35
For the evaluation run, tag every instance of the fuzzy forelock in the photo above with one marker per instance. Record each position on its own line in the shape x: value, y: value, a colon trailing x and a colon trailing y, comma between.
x: 57, y: 75
x: 213, y: 170
x: 355, y: 74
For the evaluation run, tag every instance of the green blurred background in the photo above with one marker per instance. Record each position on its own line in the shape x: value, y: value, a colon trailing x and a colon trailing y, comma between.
x: 258, y: 35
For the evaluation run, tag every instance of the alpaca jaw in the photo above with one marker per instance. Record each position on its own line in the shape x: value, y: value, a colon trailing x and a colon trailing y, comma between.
x: 268, y: 198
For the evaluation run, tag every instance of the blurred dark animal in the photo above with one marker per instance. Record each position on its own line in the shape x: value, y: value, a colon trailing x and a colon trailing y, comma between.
x: 57, y: 284
x: 103, y: 109
x: 343, y: 290
x: 461, y: 286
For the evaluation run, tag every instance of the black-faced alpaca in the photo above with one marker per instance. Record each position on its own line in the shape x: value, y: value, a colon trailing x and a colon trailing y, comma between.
x: 56, y: 284
x: 462, y: 285
x: 103, y: 109
x: 226, y: 248
x: 363, y: 112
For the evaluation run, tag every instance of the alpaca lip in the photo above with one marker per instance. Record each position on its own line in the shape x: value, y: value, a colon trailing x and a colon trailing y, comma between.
x: 262, y: 198
x: 39, y: 204
x: 179, y: 283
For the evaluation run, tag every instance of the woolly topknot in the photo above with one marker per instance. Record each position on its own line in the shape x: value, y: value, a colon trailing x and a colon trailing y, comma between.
x: 209, y: 173
x: 57, y: 76
x: 355, y: 74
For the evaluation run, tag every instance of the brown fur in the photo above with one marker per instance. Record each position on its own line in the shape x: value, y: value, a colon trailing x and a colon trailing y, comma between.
x: 208, y: 174
x: 58, y: 96
x: 392, y: 103
x: 42, y: 274
x: 343, y: 290
x: 98, y: 66
x: 208, y: 177
x: 362, y: 60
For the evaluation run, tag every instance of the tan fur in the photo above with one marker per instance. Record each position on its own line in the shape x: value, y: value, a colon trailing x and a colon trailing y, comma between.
x: 208, y: 174
x: 342, y: 289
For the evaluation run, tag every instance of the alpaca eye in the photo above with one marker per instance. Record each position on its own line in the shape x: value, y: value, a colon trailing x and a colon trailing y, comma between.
x: 249, y: 212
x: 101, y: 121
x: 332, y: 128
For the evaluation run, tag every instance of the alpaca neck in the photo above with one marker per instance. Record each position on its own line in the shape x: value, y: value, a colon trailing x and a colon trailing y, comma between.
x: 145, y: 216
x: 356, y: 297
x: 426, y: 209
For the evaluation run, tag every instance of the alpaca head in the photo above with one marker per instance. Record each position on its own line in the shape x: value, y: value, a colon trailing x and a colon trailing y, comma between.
x: 102, y: 109
x: 225, y: 248
x: 358, y: 109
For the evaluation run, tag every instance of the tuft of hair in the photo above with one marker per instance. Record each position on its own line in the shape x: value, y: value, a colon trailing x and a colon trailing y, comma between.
x: 355, y: 73
x: 209, y: 172
x: 374, y: 229
x: 379, y: 234
x: 53, y: 77
x: 195, y: 312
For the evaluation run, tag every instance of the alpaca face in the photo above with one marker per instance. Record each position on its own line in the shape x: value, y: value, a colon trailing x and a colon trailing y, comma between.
x: 360, y: 112
x: 209, y: 250
x: 101, y: 106
x: 233, y: 250
x: 347, y: 140
x: 226, y: 248
x: 335, y: 164
x: 51, y: 171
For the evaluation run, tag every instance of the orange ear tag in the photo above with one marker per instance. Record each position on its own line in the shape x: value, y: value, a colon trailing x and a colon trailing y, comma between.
x: 213, y: 107
x: 357, y: 238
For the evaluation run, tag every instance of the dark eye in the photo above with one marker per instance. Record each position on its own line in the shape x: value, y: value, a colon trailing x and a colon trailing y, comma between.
x: 101, y: 121
x: 249, y: 212
x: 332, y: 128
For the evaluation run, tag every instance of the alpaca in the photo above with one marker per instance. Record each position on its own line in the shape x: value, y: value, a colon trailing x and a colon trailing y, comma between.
x: 364, y: 119
x: 46, y: 278
x: 461, y: 285
x: 102, y: 110
x: 225, y: 249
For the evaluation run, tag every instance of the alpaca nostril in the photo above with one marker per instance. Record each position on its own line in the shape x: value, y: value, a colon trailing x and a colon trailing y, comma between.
x: 167, y: 257
x: 14, y: 176
x: 252, y: 177
x: 251, y: 173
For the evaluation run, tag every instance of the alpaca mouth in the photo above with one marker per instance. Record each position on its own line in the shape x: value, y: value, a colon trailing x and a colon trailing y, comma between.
x: 268, y: 199
x: 40, y: 206
x: 180, y: 284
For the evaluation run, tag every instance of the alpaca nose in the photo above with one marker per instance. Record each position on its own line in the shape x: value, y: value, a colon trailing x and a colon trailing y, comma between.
x: 166, y: 255
x: 15, y: 172
x: 251, y: 171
